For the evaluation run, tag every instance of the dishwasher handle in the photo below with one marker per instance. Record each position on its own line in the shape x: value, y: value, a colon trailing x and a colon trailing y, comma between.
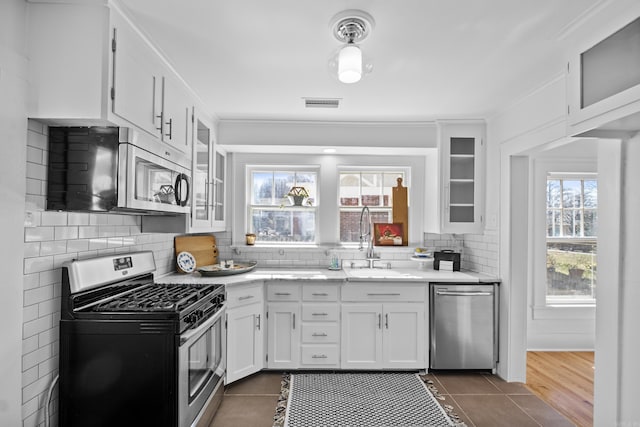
x: 464, y: 293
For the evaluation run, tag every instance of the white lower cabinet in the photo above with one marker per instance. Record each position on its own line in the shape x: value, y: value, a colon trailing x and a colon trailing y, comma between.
x: 245, y: 332
x: 383, y: 336
x: 284, y: 335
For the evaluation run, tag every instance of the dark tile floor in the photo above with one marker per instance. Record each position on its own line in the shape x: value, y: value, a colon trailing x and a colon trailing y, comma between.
x: 481, y: 400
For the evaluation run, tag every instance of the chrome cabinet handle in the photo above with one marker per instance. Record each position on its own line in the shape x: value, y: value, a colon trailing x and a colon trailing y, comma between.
x: 320, y: 294
x: 170, y: 123
x: 245, y: 297
x: 379, y: 321
x: 258, y: 325
x: 319, y: 356
x: 384, y: 294
x: 321, y: 334
x: 280, y: 294
x: 386, y: 320
x: 161, y: 117
x: 294, y: 320
x: 319, y: 314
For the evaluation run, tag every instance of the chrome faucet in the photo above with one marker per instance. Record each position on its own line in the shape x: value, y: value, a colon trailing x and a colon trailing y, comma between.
x: 370, y: 255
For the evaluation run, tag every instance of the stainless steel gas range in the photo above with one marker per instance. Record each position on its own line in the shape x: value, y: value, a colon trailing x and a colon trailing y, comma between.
x: 137, y: 353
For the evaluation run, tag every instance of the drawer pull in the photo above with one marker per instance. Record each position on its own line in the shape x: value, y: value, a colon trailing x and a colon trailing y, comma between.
x: 320, y: 334
x: 319, y: 356
x: 282, y: 294
x: 319, y: 314
x: 320, y: 294
x: 384, y: 294
x: 245, y: 297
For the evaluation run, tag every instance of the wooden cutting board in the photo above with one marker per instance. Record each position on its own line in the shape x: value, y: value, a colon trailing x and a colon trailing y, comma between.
x: 203, y: 249
x: 400, y: 209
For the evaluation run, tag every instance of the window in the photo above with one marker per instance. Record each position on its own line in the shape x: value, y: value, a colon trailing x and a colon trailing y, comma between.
x: 276, y: 216
x: 365, y: 188
x: 572, y: 228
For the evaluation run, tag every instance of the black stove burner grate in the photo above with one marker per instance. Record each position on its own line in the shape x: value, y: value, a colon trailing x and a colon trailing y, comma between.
x: 156, y: 297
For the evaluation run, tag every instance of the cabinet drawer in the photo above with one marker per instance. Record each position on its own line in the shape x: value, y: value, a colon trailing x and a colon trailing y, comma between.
x: 283, y: 292
x: 320, y: 312
x: 319, y: 355
x: 320, y: 292
x: 238, y: 296
x: 320, y: 333
x: 377, y: 292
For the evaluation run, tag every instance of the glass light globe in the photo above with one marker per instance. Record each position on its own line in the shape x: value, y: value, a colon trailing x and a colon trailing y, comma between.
x: 350, y: 64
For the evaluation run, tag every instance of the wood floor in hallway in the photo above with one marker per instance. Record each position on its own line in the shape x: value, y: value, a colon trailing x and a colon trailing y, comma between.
x: 565, y: 381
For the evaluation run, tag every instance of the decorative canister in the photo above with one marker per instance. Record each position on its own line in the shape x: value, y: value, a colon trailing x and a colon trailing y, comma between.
x: 250, y: 238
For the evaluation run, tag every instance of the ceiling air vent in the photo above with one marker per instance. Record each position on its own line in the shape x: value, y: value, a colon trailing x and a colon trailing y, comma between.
x: 321, y: 102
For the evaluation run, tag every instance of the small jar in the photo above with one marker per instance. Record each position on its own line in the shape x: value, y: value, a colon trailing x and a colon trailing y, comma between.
x: 250, y: 239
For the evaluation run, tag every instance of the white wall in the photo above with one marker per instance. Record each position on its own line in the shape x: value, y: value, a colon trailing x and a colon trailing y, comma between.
x: 13, y: 131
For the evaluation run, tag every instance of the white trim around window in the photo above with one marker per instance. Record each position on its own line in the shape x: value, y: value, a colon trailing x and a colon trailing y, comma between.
x: 328, y: 167
x: 553, y: 308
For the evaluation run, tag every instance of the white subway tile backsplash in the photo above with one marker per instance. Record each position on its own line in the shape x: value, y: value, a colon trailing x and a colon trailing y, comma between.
x: 37, y: 138
x: 53, y: 247
x: 48, y: 307
x: 79, y: 245
x: 48, y: 366
x: 36, y: 171
x: 30, y: 281
x: 97, y: 244
x: 88, y: 232
x: 34, y: 186
x: 34, y: 234
x: 30, y: 375
x: 35, y: 388
x: 31, y: 249
x: 66, y: 233
x: 34, y: 327
x: 58, y: 260
x: 35, y: 265
x: 50, y: 277
x: 54, y: 218
x: 35, y: 296
x: 75, y: 218
x: 30, y: 344
x: 48, y: 336
x: 29, y: 313
x: 35, y: 357
x: 34, y: 202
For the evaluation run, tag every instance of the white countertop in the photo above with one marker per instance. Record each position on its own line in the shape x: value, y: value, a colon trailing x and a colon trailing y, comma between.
x: 401, y: 275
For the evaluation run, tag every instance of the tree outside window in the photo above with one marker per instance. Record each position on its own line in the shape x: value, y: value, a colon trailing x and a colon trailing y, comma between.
x: 572, y: 226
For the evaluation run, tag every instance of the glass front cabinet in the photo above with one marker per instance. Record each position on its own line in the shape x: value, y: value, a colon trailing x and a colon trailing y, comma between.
x: 209, y: 172
x: 462, y: 165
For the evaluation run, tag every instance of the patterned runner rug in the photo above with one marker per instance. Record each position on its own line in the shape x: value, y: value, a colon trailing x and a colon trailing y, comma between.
x: 380, y: 399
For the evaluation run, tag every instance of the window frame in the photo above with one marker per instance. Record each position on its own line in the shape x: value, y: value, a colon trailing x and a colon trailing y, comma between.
x: 251, y: 169
x: 406, y: 173
x: 544, y: 307
x: 573, y: 176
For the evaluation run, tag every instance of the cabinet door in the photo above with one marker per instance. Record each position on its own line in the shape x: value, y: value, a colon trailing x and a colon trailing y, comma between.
x: 219, y: 190
x: 176, y: 112
x: 284, y: 335
x: 201, y: 210
x: 361, y: 336
x: 463, y: 168
x: 245, y: 342
x: 136, y: 87
x: 403, y: 336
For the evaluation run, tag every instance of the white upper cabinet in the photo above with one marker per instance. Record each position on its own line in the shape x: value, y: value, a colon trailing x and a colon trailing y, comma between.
x: 460, y: 183
x: 90, y: 66
x: 604, y: 82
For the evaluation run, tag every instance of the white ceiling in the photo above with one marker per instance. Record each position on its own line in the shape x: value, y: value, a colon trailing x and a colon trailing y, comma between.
x: 258, y: 59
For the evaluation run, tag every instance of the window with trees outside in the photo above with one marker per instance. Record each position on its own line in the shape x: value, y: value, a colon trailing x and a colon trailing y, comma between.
x: 283, y: 205
x: 572, y: 227
x: 365, y: 188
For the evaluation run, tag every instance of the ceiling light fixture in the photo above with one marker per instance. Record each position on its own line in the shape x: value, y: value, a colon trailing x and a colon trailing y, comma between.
x: 350, y: 27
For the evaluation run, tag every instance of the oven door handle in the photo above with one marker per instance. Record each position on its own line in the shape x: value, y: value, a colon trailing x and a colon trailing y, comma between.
x: 192, y: 333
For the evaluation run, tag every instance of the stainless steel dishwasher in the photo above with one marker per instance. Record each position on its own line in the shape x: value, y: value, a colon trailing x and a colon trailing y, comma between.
x: 463, y: 326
